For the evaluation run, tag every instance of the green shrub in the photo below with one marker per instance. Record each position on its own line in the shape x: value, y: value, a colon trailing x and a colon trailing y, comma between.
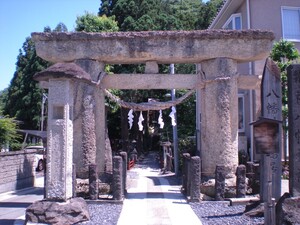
x: 8, y: 132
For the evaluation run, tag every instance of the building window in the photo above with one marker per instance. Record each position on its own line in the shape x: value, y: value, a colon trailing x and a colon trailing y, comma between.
x: 291, y: 23
x: 241, y: 112
x: 234, y: 22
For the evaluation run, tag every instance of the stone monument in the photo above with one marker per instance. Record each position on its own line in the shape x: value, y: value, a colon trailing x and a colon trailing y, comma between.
x: 294, y: 128
x: 59, y: 203
x: 271, y: 109
x: 61, y: 78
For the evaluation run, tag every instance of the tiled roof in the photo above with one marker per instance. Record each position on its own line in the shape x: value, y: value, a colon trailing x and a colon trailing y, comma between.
x: 224, y: 1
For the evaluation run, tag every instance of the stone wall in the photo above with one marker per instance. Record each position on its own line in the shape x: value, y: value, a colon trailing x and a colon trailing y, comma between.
x: 16, y: 170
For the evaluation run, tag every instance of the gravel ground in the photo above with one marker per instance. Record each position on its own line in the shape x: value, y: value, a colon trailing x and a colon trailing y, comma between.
x: 214, y: 213
x: 210, y: 213
x: 103, y: 214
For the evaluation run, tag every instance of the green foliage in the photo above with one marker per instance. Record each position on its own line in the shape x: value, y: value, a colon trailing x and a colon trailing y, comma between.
x: 92, y: 23
x: 207, y: 13
x: 144, y: 15
x: 186, y: 145
x: 140, y: 15
x: 24, y: 95
x: 3, y: 96
x: 61, y: 27
x: 8, y: 131
x: 186, y: 116
x: 106, y: 7
x: 284, y: 53
x: 188, y: 13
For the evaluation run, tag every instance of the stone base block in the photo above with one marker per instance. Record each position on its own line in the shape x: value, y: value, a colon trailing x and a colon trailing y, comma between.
x: 208, y: 188
x: 51, y: 212
x: 288, y: 210
x: 254, y: 209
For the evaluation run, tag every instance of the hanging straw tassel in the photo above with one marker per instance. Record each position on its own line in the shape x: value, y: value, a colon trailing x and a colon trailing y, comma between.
x: 140, y: 123
x: 130, y: 118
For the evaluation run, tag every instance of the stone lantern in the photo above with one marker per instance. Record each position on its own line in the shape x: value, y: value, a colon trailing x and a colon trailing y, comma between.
x: 59, y: 173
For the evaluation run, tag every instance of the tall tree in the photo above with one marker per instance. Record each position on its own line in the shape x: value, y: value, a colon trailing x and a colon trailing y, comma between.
x: 106, y: 7
x: 92, y: 23
x: 24, y: 97
x: 144, y: 15
x: 207, y: 13
x: 61, y: 27
x: 138, y: 15
x: 3, y: 97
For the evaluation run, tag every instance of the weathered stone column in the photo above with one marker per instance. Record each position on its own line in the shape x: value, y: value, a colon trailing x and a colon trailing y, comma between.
x: 294, y: 129
x: 117, y: 178
x: 195, y: 178
x: 241, y: 181
x: 185, y: 174
x: 74, y: 182
x: 61, y: 79
x: 93, y: 182
x: 219, y: 108
x: 60, y: 140
x: 271, y: 106
x: 220, y: 183
x: 124, y: 170
x: 91, y: 141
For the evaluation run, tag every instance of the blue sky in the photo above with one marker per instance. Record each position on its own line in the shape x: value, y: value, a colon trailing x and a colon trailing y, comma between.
x: 19, y: 18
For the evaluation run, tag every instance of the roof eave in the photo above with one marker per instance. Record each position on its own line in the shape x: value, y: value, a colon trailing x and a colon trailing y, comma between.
x: 229, y: 7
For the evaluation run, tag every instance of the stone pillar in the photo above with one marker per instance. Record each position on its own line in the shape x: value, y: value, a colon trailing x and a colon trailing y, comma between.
x: 88, y: 128
x: 253, y: 174
x: 117, y: 178
x: 93, y: 182
x: 74, y: 183
x: 241, y: 181
x: 60, y: 140
x: 169, y: 165
x: 195, y: 178
x: 294, y: 129
x: 90, y: 133
x: 220, y: 183
x: 219, y: 113
x: 271, y: 105
x: 186, y: 159
x: 124, y: 169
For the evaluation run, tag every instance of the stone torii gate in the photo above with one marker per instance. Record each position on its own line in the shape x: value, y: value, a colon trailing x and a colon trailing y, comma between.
x: 76, y: 119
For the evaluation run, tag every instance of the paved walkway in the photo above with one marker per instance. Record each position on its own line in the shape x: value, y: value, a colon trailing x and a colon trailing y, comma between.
x: 154, y: 198
x: 14, y: 204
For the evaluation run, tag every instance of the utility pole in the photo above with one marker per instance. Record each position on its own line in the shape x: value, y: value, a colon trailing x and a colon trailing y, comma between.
x: 175, y: 135
x: 44, y: 98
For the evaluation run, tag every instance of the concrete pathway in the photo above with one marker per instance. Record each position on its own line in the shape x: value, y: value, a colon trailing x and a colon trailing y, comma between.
x: 14, y: 204
x: 154, y: 199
